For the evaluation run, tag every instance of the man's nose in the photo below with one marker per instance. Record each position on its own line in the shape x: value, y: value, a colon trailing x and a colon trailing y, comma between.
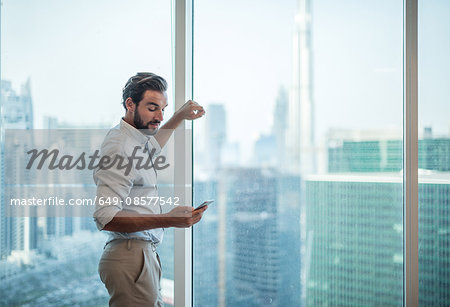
x: 159, y: 115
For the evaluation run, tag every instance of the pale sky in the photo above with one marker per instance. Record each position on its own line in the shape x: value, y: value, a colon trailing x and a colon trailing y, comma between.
x: 79, y: 54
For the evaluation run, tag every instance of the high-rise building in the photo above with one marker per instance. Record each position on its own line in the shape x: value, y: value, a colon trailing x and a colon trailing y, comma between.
x: 254, y: 230
x: 80, y: 139
x: 247, y: 247
x: 270, y: 149
x: 301, y: 158
x: 253, y: 262
x: 385, y: 155
x: 264, y: 153
x: 354, y: 224
x: 354, y: 240
x: 288, y: 225
x: 17, y: 109
x: 17, y: 233
x: 206, y: 246
x: 434, y: 239
x: 280, y: 121
x: 215, y: 136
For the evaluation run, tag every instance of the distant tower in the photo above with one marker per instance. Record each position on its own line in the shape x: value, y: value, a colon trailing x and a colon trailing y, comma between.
x: 300, y: 131
x: 215, y: 136
x: 280, y: 119
x: 17, y: 110
x: 18, y: 233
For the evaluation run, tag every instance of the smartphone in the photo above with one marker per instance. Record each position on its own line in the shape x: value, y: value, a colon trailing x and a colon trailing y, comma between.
x: 205, y: 203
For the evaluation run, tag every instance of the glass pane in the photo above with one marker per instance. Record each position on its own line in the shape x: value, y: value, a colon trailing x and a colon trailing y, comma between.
x: 434, y: 153
x: 301, y: 149
x: 63, y: 65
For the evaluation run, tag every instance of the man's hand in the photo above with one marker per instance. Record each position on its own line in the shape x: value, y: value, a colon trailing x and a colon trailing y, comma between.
x: 190, y: 110
x: 185, y: 216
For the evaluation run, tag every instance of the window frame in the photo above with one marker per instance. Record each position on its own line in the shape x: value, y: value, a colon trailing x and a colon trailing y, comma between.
x: 182, y: 12
x: 182, y: 38
x: 410, y: 155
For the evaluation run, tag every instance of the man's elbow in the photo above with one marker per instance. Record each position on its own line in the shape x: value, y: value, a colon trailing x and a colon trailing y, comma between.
x: 104, y: 216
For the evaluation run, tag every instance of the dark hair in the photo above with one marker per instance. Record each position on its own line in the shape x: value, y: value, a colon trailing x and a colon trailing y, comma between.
x: 138, y: 84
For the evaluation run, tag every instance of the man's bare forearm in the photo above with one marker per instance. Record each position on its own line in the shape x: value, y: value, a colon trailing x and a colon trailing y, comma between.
x: 163, y: 134
x: 125, y: 221
x: 189, y: 111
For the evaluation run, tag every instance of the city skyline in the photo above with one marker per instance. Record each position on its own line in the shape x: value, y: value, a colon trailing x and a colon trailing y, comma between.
x: 94, y: 101
x: 274, y: 235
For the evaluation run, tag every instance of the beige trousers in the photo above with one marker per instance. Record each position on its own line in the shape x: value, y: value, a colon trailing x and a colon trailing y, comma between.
x: 131, y: 271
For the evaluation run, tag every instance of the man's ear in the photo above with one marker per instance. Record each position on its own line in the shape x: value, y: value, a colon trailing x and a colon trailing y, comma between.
x: 131, y: 106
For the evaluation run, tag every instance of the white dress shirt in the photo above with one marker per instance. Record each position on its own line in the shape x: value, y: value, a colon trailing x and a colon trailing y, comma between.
x: 135, y: 191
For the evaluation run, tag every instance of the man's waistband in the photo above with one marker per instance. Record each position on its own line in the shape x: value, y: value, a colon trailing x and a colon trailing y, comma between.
x: 132, y: 242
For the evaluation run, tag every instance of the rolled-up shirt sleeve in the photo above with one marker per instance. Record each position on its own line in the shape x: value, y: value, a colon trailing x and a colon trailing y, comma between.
x: 113, y: 188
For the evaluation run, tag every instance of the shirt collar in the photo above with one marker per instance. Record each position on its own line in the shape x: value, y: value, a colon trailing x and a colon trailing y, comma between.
x: 133, y: 132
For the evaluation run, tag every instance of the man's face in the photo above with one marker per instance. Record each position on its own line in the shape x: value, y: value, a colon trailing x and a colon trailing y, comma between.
x: 150, y: 111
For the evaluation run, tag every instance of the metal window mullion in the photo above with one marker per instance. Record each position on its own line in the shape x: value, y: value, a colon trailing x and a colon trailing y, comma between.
x: 182, y: 9
x: 410, y: 155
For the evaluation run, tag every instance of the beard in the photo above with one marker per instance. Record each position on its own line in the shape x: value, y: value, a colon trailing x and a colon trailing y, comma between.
x: 139, y: 123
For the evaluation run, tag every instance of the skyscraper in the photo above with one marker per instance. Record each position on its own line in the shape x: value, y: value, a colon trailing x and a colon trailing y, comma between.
x: 17, y: 110
x: 206, y: 263
x: 354, y: 224
x: 280, y: 122
x: 252, y: 238
x: 215, y: 136
x: 17, y: 233
x: 370, y: 153
x: 270, y: 150
x: 300, y: 156
x: 300, y: 130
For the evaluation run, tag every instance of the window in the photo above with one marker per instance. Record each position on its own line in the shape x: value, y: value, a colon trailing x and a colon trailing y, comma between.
x: 63, y: 66
x: 434, y: 153
x: 302, y: 150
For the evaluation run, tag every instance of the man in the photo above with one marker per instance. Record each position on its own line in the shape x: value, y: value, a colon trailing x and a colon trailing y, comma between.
x: 127, y: 199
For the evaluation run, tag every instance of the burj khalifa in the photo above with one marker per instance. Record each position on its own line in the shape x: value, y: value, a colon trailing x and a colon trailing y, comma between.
x: 300, y: 153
